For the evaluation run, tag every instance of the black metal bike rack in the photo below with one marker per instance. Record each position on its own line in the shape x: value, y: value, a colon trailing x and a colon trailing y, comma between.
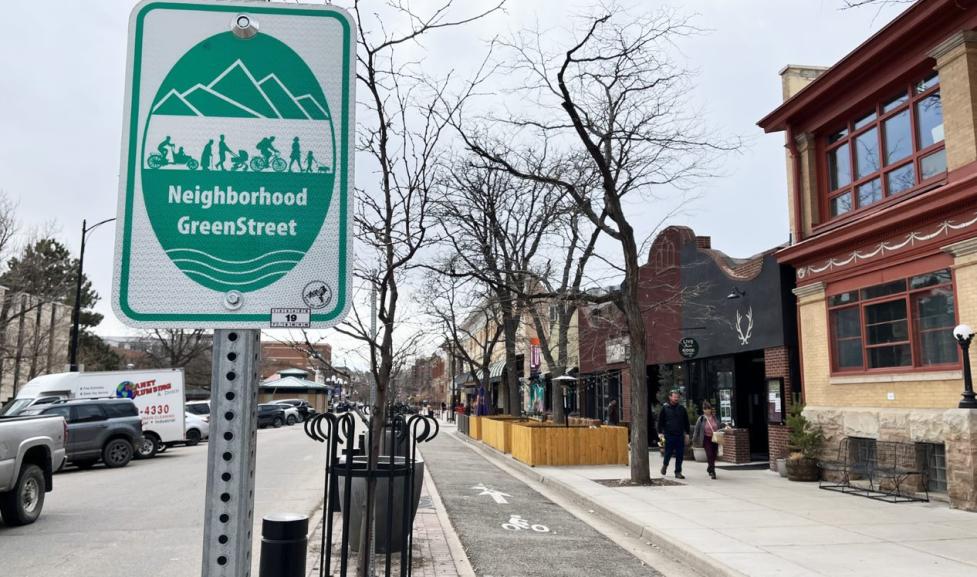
x: 398, y: 468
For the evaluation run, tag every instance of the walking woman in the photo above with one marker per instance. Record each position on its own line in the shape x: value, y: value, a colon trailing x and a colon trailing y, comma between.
x: 707, y: 434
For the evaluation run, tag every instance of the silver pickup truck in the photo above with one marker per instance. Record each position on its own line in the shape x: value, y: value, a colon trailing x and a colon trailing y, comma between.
x: 31, y: 450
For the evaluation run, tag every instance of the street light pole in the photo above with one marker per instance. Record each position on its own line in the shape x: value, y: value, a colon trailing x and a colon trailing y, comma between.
x: 76, y: 312
x: 964, y: 335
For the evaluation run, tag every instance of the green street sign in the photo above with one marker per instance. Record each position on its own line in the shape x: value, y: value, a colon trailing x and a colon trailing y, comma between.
x: 236, y: 179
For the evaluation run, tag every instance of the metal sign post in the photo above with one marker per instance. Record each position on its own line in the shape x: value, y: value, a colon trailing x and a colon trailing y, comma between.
x: 235, y: 204
x: 231, y: 452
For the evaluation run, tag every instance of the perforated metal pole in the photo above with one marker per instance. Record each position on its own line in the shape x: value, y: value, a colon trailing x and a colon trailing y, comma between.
x: 229, y: 512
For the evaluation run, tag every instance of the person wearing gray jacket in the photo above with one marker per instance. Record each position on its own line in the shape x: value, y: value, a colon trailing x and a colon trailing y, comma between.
x: 703, y: 434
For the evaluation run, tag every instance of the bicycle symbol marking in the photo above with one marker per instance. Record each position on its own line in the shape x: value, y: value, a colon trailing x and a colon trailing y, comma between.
x: 517, y: 523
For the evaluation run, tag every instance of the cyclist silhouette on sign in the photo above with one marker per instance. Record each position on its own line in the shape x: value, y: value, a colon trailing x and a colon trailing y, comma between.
x: 267, y: 147
x: 164, y: 148
x: 296, y: 156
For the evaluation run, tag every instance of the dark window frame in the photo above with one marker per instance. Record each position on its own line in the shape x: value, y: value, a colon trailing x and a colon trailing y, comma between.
x: 881, y: 116
x: 908, y: 297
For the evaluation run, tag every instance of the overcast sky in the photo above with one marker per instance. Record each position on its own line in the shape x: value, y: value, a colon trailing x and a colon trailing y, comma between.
x: 63, y: 74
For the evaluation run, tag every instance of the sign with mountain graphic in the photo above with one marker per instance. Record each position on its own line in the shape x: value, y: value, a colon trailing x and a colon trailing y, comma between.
x: 236, y: 175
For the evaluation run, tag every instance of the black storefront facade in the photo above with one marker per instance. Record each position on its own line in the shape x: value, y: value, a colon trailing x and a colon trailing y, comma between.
x: 720, y: 329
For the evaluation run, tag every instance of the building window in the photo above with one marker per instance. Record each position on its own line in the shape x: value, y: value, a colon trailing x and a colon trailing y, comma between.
x: 932, y: 456
x: 903, y: 323
x: 888, y: 150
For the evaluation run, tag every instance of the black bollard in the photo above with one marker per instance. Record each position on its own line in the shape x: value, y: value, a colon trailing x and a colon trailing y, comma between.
x: 284, y: 541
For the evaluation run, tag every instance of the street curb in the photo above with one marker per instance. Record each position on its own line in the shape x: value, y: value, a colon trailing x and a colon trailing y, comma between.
x: 676, y: 550
x: 462, y: 564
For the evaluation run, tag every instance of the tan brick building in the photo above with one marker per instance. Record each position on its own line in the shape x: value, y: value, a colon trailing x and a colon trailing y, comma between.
x: 34, y: 339
x: 882, y: 181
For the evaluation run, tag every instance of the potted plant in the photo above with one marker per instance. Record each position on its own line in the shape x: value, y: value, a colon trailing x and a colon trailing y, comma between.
x: 804, y: 443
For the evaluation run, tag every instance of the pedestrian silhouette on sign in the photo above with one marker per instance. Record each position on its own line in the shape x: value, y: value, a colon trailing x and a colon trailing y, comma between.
x: 207, y: 156
x: 222, y: 151
x: 296, y: 156
x: 309, y: 161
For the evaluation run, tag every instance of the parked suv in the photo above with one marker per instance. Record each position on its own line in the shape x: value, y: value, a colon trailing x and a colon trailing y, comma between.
x: 305, y: 411
x: 271, y: 414
x: 98, y: 430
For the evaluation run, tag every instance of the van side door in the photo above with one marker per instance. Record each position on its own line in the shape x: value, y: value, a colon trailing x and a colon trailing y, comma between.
x: 88, y: 426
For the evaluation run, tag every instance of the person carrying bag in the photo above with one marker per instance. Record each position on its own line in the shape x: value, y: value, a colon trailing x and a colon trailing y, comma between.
x: 708, y: 434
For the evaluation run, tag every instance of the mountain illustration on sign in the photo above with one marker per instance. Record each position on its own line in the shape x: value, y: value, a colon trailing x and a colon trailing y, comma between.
x: 224, y: 185
x: 236, y: 93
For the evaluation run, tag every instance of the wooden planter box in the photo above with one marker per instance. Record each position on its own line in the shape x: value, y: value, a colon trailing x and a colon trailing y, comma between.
x: 497, y: 432
x: 475, y: 427
x: 546, y: 444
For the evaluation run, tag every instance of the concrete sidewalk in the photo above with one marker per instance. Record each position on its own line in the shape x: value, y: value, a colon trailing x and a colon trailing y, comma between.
x: 759, y: 524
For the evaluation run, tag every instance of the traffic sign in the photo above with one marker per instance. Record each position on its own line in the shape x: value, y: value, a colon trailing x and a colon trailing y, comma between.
x: 236, y: 178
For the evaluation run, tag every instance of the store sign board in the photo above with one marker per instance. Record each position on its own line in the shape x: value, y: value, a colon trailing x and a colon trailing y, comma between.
x: 237, y: 165
x: 688, y: 347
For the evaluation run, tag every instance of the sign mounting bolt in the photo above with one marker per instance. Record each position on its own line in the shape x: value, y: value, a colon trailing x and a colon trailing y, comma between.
x: 244, y: 26
x: 233, y: 300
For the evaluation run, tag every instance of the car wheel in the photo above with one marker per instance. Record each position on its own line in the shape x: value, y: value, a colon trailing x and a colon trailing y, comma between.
x: 193, y: 437
x: 148, y: 447
x: 117, y: 453
x: 291, y: 420
x: 23, y: 504
x: 277, y: 422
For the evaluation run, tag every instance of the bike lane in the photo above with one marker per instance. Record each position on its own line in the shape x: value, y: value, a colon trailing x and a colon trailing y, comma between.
x: 510, y: 530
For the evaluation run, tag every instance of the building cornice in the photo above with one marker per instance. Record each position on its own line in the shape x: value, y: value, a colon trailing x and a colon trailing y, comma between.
x: 809, y: 290
x: 951, y: 43
x: 962, y: 248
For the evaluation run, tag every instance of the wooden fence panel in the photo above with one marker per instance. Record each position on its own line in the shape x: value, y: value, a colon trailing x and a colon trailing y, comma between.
x: 538, y: 444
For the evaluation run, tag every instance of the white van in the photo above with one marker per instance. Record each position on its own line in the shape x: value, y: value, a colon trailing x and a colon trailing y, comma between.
x: 158, y: 394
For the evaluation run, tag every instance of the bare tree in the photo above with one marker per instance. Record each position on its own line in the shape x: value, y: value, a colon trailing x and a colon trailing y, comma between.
x: 189, y: 349
x: 495, y: 225
x: 468, y: 320
x: 553, y: 323
x: 616, y: 98
x: 400, y: 133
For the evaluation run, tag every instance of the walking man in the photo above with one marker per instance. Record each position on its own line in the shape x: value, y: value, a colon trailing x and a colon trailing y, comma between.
x: 673, y: 422
x: 222, y: 151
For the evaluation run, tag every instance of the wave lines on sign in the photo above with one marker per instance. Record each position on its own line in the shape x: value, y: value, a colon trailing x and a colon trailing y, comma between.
x: 233, y: 262
x: 179, y: 261
x: 240, y: 285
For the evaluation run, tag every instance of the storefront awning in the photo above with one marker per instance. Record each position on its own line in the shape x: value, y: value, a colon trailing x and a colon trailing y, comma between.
x: 495, y: 370
x: 463, y: 379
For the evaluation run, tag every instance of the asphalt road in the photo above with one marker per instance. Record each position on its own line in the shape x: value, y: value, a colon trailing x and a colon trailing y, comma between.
x: 146, y: 519
x: 543, y: 541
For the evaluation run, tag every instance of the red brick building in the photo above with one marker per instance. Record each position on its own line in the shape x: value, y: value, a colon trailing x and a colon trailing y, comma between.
x: 719, y: 329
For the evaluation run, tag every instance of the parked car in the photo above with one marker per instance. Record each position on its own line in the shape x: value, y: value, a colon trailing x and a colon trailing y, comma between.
x: 198, y: 429
x: 31, y: 450
x: 158, y: 394
x: 199, y: 408
x: 292, y: 414
x: 271, y: 414
x: 107, y: 430
x: 304, y: 409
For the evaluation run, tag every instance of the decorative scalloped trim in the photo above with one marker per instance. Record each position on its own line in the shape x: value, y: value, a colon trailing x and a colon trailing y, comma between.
x: 885, y: 247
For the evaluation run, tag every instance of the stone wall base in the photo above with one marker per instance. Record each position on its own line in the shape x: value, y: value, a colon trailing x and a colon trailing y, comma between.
x: 955, y: 428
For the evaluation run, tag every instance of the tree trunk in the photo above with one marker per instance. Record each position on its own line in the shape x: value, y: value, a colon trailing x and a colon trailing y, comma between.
x: 511, y: 401
x: 640, y: 471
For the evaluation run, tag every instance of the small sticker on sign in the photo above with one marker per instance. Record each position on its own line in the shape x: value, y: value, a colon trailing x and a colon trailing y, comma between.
x: 290, y: 318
